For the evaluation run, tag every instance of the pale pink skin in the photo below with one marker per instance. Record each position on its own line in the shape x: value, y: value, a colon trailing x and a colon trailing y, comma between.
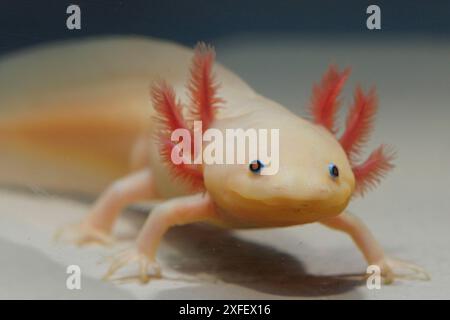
x: 301, y: 193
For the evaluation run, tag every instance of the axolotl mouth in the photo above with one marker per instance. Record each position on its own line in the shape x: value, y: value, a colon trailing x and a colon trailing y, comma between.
x: 242, y: 212
x: 323, y: 203
x: 281, y: 197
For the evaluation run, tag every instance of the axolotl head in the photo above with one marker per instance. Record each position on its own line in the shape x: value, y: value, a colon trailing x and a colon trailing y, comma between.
x: 310, y: 174
x: 306, y: 178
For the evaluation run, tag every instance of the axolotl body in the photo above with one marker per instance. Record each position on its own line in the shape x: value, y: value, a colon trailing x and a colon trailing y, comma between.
x: 104, y: 110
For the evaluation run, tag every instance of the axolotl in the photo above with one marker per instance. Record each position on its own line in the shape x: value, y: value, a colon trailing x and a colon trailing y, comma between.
x: 86, y: 114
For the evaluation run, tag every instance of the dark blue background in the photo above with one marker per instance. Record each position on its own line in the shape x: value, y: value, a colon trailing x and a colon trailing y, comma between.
x: 24, y: 23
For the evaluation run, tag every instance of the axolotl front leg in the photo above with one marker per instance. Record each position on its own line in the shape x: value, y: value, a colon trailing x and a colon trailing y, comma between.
x: 97, y: 226
x: 177, y: 211
x: 372, y: 250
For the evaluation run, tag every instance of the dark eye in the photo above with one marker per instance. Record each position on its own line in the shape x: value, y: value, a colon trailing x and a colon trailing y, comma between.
x: 255, y: 166
x: 333, y: 169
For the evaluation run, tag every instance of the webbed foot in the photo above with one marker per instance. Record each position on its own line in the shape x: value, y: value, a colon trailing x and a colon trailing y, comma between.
x: 392, y: 269
x: 82, y: 234
x: 147, y: 268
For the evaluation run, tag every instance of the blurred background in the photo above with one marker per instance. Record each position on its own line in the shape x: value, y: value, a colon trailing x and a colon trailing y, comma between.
x: 27, y: 22
x: 280, y: 48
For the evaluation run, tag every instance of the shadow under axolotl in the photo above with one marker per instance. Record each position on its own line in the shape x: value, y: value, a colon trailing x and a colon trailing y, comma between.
x: 231, y: 259
x: 203, y: 249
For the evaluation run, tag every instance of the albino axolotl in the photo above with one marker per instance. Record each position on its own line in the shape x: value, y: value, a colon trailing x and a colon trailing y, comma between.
x: 83, y: 114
